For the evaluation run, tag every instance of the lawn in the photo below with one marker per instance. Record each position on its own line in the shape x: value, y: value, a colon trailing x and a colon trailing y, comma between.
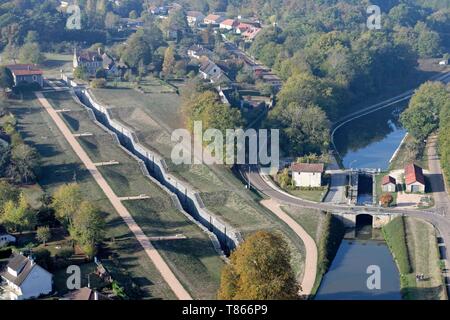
x: 309, y: 219
x: 148, y: 85
x: 55, y: 62
x: 157, y: 215
x: 413, y: 243
x: 60, y: 165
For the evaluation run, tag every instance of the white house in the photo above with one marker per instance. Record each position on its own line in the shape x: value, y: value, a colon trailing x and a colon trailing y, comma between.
x: 388, y: 184
x: 307, y: 174
x: 24, y: 279
x: 194, y: 18
x: 444, y: 62
x: 5, y: 238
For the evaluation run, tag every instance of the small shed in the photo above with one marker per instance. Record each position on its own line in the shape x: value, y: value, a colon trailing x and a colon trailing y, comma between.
x: 389, y: 184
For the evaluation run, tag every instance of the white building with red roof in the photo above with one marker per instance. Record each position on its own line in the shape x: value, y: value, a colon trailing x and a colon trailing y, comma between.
x: 213, y: 19
x: 388, y: 184
x: 414, y: 179
x: 307, y: 174
x: 228, y: 24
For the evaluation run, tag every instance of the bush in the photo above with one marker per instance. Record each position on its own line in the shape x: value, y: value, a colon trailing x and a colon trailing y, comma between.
x: 43, y: 258
x: 65, y: 253
x: 98, y: 83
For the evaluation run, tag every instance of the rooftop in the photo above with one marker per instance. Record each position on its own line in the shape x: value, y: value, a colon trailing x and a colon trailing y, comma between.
x: 414, y: 173
x: 388, y: 180
x: 307, y: 167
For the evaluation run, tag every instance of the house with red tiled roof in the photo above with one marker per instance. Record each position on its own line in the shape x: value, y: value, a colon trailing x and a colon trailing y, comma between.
x: 307, y: 174
x: 25, y: 74
x: 242, y: 27
x: 229, y: 24
x: 414, y: 179
x: 213, y: 19
x: 389, y: 184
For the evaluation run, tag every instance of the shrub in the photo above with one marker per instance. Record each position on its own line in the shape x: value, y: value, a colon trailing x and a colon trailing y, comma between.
x: 98, y: 83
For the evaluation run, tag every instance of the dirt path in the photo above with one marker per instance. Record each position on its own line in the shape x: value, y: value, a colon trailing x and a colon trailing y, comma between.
x: 150, y: 250
x: 309, y: 276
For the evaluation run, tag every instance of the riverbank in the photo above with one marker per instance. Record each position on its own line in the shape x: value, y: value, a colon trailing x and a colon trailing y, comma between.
x: 413, y: 244
x: 405, y: 154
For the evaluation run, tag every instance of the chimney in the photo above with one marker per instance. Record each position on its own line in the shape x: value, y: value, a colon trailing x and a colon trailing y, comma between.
x: 95, y: 295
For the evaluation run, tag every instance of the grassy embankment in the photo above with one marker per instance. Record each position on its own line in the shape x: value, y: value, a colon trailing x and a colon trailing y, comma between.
x: 405, y: 157
x: 413, y: 244
x: 193, y: 260
x: 154, y: 117
x: 60, y: 165
x: 326, y: 230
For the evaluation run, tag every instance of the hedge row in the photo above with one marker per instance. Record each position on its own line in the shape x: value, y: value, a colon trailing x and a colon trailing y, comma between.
x: 395, y: 236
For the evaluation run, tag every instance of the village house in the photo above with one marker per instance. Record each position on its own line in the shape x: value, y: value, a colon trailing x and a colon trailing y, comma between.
x: 24, y: 279
x: 198, y: 51
x: 92, y: 61
x: 194, y: 18
x: 213, y: 19
x: 307, y: 174
x: 388, y: 184
x: 228, y: 24
x: 5, y: 237
x: 414, y: 179
x: 84, y: 294
x: 210, y: 71
x: 250, y: 34
x: 242, y: 27
x: 26, y: 74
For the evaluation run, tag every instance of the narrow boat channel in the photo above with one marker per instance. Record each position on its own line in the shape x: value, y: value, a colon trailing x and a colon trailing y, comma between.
x: 365, y: 143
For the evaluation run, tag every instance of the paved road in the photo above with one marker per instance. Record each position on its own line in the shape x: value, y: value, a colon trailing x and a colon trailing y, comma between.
x: 263, y: 185
x: 309, y: 275
x: 150, y: 250
x: 440, y: 195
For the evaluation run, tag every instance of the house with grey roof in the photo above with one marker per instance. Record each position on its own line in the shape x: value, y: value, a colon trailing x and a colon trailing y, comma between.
x: 24, y: 279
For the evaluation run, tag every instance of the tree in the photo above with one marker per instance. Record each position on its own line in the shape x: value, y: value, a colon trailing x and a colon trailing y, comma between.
x: 87, y: 228
x: 259, y: 269
x: 24, y: 163
x: 169, y: 62
x: 43, y: 234
x: 31, y: 53
x: 6, y: 78
x: 421, y: 117
x: 18, y: 216
x: 66, y: 202
x: 284, y: 179
x: 80, y: 73
x: 386, y: 200
x: 111, y: 20
x: 8, y: 193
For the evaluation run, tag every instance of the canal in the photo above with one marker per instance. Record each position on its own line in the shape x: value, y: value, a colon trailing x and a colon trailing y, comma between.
x: 366, y: 142
x: 370, y: 141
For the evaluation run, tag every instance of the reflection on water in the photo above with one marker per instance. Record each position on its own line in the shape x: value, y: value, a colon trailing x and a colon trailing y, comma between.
x: 347, y: 277
x: 370, y: 141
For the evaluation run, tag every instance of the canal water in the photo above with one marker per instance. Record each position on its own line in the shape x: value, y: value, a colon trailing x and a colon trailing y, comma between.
x: 366, y: 142
x: 348, y: 275
x: 370, y: 141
